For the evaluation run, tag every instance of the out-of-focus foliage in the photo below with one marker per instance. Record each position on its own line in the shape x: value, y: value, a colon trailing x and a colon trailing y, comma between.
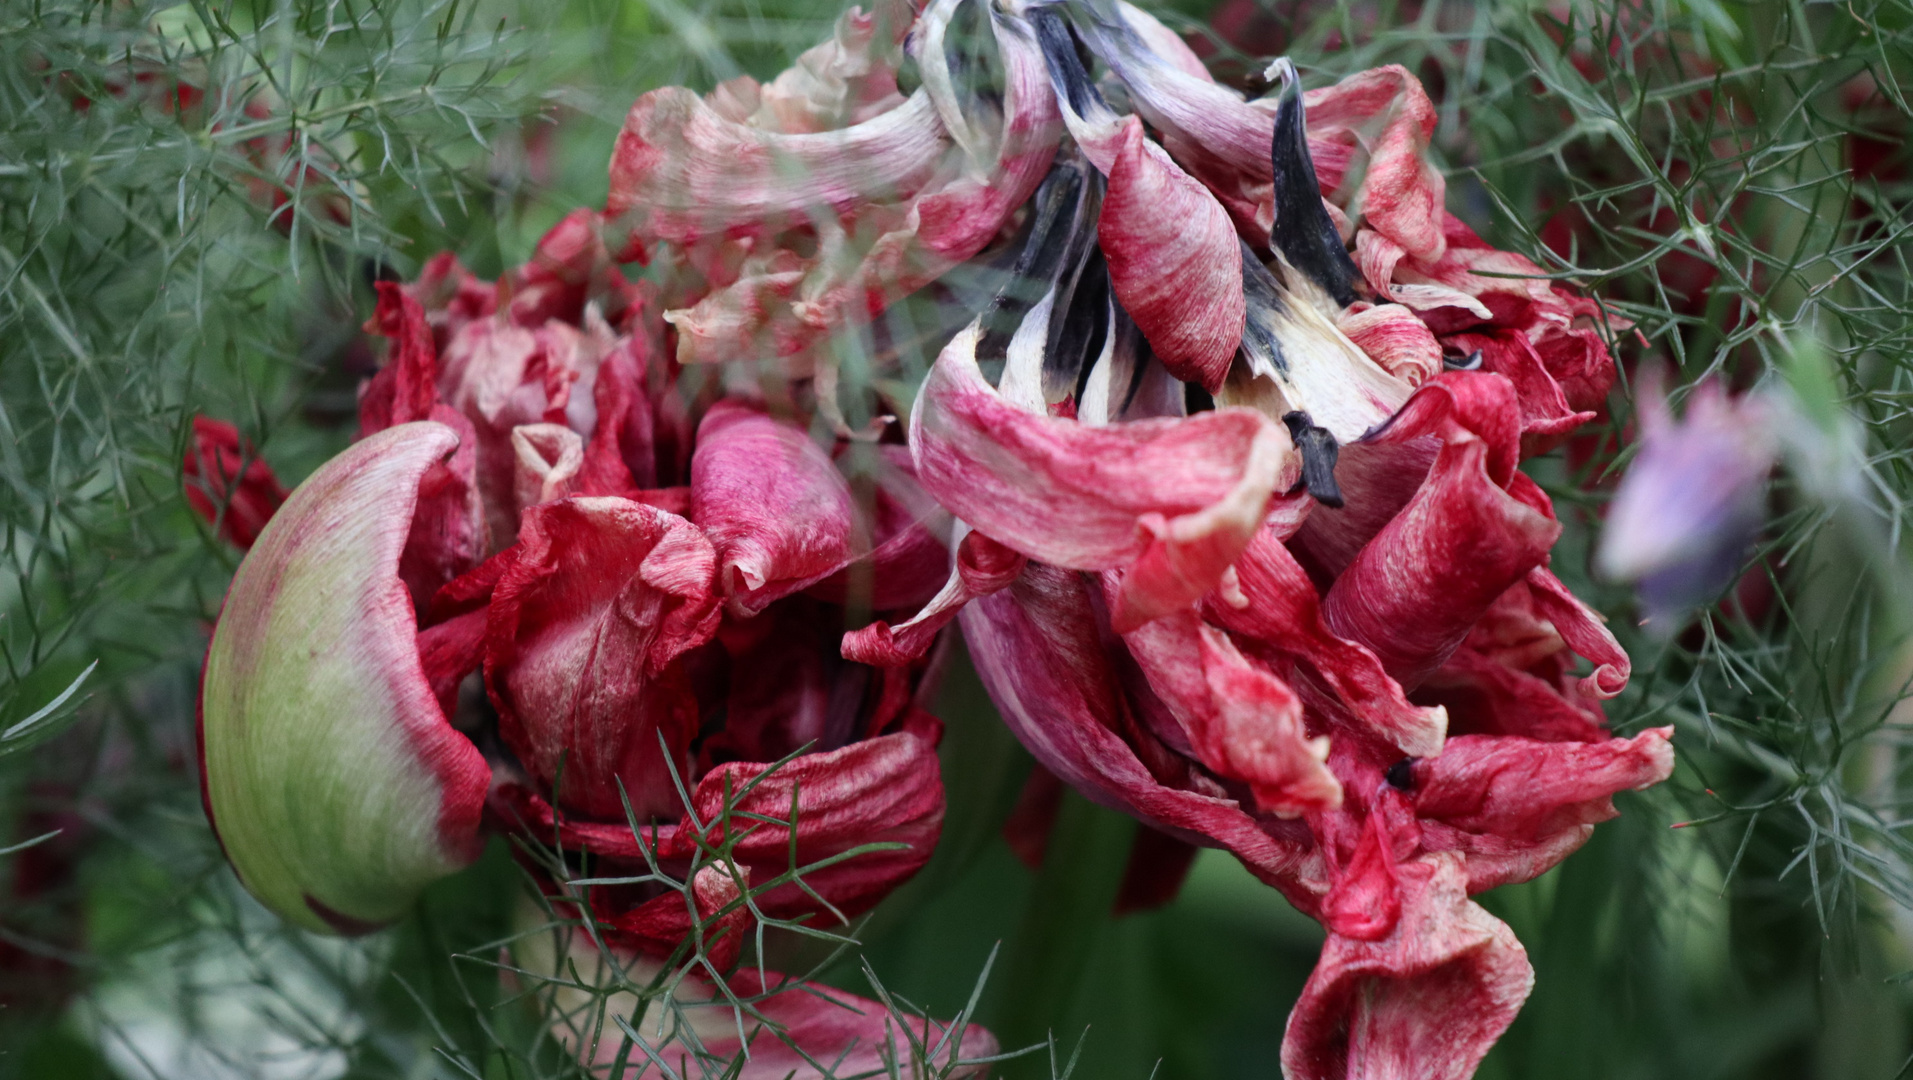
x: 194, y: 198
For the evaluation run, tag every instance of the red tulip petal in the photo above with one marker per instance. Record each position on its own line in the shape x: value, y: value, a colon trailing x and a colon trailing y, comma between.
x: 1173, y: 260
x: 1528, y: 790
x: 1422, y: 582
x: 599, y: 599
x: 1425, y: 1002
x: 1242, y: 722
x: 1180, y: 498
x: 773, y: 504
x: 1282, y: 623
x: 886, y: 789
x: 1388, y: 113
x: 982, y: 566
x: 314, y: 699
x: 1397, y: 340
x: 1040, y: 653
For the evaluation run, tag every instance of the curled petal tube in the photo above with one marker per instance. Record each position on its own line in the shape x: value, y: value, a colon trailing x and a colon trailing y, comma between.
x: 331, y: 776
x: 1174, y: 500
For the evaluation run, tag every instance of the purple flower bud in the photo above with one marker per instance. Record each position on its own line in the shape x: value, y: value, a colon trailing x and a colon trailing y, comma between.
x: 1691, y: 503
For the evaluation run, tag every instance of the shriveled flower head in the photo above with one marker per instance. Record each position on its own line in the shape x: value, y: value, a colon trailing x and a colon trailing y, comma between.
x: 552, y: 591
x: 1248, y: 554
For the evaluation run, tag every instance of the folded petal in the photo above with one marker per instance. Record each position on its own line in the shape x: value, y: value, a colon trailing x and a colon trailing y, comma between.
x: 1173, y: 257
x: 1040, y: 654
x: 1173, y: 260
x: 1281, y: 622
x: 592, y: 611
x: 1179, y: 498
x: 549, y: 457
x: 1396, y: 339
x: 982, y: 566
x: 1414, y: 591
x: 1525, y: 789
x: 1386, y: 112
x: 882, y: 790
x: 1546, y: 418
x: 1423, y: 1003
x: 1243, y: 723
x: 336, y: 786
x: 773, y: 504
x: 228, y: 484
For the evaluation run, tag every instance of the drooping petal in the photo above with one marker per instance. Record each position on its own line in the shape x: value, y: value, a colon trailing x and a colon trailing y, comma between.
x: 1423, y: 1003
x: 1177, y: 498
x: 597, y: 602
x: 773, y: 504
x: 1528, y: 790
x: 331, y: 775
x: 1386, y: 113
x: 1281, y: 621
x: 228, y: 484
x: 1040, y: 654
x: 1422, y: 582
x: 1174, y: 261
x: 1243, y: 723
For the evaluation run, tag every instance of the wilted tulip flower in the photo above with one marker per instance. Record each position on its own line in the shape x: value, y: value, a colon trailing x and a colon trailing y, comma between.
x: 650, y: 588
x: 1247, y: 554
x: 1693, y: 499
x: 1223, y: 487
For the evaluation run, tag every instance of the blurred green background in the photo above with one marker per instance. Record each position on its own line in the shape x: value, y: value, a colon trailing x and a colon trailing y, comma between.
x: 1733, y: 176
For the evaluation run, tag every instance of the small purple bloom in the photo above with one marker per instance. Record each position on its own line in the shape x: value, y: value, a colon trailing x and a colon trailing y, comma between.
x: 1691, y: 503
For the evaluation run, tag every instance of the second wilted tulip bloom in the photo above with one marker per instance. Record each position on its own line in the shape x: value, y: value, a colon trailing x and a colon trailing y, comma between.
x: 1690, y: 505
